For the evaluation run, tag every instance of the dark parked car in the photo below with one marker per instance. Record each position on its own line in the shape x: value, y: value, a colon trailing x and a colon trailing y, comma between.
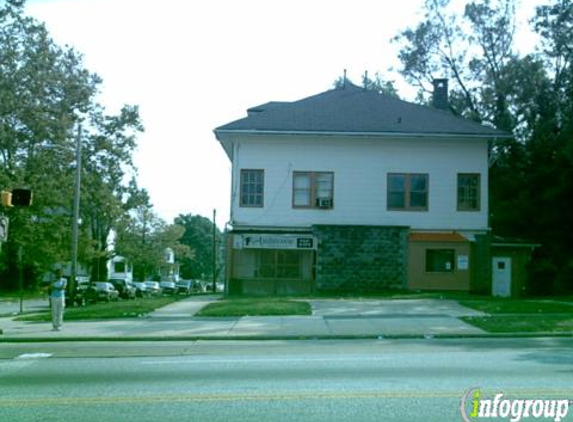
x: 102, y: 291
x: 125, y: 288
x: 141, y: 289
x: 79, y: 296
x: 184, y: 286
x: 219, y: 287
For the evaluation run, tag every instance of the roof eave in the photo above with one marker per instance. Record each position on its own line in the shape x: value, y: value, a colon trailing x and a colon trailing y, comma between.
x: 500, y: 136
x: 227, y: 146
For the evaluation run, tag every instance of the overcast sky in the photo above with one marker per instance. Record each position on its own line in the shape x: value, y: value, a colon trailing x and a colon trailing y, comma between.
x: 192, y: 66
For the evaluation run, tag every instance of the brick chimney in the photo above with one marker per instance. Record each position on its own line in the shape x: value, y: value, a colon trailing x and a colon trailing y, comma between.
x: 440, y: 95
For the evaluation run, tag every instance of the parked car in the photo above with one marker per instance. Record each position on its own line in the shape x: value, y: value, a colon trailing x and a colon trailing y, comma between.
x: 141, y: 289
x: 199, y: 286
x: 125, y: 288
x: 79, y: 295
x: 153, y: 288
x: 219, y: 287
x: 102, y: 290
x: 184, y: 286
x: 168, y: 287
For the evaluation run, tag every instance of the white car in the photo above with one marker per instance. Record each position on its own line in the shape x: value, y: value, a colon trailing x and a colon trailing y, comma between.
x: 153, y: 288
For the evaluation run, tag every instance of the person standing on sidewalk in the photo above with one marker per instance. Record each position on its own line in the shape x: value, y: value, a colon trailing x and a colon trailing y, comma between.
x: 58, y: 300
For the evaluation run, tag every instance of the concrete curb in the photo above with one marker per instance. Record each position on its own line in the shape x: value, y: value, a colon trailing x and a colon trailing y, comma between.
x: 285, y: 337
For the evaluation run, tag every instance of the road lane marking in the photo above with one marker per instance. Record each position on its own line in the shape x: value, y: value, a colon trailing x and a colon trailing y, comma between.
x: 24, y: 356
x: 243, y: 397
x: 199, y: 361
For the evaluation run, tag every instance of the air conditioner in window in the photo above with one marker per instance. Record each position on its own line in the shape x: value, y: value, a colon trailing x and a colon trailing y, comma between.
x: 324, y: 202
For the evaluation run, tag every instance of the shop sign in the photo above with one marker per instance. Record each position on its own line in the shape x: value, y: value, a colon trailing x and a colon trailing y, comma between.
x: 463, y: 262
x: 273, y: 241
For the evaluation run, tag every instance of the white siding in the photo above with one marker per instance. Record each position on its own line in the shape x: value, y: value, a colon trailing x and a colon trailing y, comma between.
x: 360, y: 167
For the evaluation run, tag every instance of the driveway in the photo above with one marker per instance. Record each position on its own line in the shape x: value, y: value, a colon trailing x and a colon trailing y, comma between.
x: 390, y: 308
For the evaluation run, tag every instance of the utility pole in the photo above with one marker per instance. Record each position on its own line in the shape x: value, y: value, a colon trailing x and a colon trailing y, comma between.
x: 21, y: 277
x: 76, y: 215
x: 214, y: 252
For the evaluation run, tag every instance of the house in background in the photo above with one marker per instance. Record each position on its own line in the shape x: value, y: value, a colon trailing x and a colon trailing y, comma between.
x: 354, y: 190
x: 169, y: 270
x: 82, y: 274
x: 120, y: 267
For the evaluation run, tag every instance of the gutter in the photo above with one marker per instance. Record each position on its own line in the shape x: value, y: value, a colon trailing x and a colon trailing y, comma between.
x: 516, y: 245
x: 358, y: 134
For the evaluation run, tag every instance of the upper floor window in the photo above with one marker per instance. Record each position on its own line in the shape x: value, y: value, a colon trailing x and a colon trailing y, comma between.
x: 408, y: 191
x: 313, y: 189
x: 252, y: 188
x: 468, y: 192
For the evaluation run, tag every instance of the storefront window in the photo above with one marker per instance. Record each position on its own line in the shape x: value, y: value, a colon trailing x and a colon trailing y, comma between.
x: 279, y: 264
x: 440, y: 260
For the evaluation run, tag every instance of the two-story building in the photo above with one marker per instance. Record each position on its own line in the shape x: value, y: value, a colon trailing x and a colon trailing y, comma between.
x: 355, y: 190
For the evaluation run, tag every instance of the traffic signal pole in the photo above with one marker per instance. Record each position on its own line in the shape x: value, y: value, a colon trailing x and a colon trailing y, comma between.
x: 214, y: 252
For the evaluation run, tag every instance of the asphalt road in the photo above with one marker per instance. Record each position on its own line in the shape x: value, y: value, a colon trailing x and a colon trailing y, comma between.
x: 275, y: 380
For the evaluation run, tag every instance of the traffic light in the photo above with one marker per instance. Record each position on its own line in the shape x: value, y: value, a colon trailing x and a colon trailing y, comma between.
x: 6, y: 198
x: 19, y: 197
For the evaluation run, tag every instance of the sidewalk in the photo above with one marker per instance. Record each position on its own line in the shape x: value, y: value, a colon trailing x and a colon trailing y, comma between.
x: 331, y: 319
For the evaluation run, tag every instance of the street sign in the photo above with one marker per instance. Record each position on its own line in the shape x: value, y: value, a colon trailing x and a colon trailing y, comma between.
x: 3, y: 228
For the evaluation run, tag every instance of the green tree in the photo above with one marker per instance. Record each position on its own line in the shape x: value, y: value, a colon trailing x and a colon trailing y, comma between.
x: 472, y: 48
x: 198, y: 236
x: 43, y: 88
x: 531, y: 177
x: 551, y: 146
x: 377, y: 84
x: 45, y: 92
x: 143, y: 238
x: 107, y: 159
x: 532, y: 189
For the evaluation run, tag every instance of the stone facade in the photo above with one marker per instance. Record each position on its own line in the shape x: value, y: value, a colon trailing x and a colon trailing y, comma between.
x: 361, y: 258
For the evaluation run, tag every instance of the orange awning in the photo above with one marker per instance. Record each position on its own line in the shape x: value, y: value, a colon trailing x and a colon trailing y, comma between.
x: 437, y: 237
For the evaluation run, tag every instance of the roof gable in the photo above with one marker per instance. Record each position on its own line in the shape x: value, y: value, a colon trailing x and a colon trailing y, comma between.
x: 354, y: 110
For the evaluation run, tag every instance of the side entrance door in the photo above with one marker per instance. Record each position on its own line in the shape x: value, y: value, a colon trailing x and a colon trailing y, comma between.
x: 501, y: 277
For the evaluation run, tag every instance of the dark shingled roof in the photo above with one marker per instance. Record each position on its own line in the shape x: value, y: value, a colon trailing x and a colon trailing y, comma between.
x: 353, y: 110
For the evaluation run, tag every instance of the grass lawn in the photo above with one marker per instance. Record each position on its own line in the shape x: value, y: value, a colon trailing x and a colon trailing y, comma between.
x: 255, y: 307
x: 522, y: 315
x: 518, y: 306
x: 523, y: 323
x: 104, y: 310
